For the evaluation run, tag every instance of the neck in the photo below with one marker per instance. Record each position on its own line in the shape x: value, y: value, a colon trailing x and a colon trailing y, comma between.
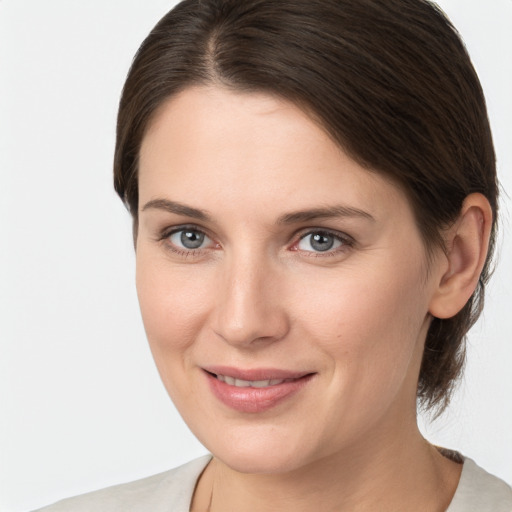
x: 407, y: 474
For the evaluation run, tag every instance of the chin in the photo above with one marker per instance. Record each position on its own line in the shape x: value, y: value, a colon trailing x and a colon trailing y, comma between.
x: 259, y: 463
x: 261, y: 451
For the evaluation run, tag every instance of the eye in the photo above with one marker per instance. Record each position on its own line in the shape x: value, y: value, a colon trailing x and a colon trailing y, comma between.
x: 189, y: 239
x: 320, y: 241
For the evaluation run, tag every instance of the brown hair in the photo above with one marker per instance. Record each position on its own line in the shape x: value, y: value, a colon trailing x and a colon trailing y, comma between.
x: 390, y: 81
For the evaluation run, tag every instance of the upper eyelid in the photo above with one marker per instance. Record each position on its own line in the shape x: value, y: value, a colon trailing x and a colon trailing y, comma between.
x: 333, y: 232
x: 166, y: 232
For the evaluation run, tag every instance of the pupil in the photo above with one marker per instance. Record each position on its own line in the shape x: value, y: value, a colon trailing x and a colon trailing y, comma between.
x: 322, y: 242
x: 192, y: 239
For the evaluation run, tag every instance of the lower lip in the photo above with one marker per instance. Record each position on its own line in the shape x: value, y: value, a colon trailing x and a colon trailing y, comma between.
x: 254, y: 400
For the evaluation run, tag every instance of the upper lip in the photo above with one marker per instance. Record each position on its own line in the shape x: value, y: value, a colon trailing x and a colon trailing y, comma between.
x: 255, y: 374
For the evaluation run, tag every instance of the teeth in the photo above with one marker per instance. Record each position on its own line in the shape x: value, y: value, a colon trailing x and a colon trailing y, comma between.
x: 262, y: 383
x: 240, y: 383
x: 229, y: 380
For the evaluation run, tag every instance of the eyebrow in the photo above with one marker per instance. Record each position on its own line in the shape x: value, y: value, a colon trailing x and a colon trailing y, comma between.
x: 288, y: 218
x: 324, y: 213
x: 178, y: 209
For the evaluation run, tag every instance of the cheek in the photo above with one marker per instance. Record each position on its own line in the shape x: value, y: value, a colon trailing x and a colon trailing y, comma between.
x: 371, y: 332
x: 173, y: 307
x: 172, y: 303
x: 369, y: 323
x: 359, y: 301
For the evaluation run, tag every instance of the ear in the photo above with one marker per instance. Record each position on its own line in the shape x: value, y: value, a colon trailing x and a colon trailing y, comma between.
x: 467, y: 242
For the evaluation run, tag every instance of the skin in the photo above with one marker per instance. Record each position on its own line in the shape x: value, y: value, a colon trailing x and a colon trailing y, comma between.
x: 257, y: 294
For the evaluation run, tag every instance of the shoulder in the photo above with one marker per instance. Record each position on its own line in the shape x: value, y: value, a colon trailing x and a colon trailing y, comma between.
x: 480, y: 491
x: 164, y: 492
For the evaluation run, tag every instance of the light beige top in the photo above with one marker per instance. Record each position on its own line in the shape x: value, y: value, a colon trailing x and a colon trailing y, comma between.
x: 478, y: 491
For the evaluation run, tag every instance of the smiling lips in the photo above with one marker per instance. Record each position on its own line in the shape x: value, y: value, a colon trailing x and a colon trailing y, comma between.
x: 240, y: 383
x: 253, y: 391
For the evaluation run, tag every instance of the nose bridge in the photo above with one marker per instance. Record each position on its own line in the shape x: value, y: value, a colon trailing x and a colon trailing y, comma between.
x: 247, y: 306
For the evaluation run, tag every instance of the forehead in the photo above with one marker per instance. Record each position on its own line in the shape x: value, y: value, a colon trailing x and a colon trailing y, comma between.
x: 221, y: 120
x: 251, y: 149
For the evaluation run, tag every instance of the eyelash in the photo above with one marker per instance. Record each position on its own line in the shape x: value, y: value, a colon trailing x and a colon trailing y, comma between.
x: 167, y: 233
x: 346, y: 241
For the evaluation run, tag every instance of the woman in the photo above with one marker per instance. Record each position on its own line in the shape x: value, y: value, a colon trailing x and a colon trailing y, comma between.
x: 314, y: 200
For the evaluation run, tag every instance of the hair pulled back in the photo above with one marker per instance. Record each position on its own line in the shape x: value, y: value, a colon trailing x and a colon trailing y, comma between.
x: 389, y: 80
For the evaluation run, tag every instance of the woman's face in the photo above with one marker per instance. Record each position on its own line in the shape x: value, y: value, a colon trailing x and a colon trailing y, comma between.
x: 265, y: 254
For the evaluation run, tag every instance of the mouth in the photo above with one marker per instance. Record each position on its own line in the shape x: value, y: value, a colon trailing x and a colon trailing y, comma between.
x: 257, y: 390
x: 240, y: 383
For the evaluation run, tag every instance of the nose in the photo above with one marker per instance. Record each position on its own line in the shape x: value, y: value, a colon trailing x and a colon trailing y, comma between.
x: 249, y: 307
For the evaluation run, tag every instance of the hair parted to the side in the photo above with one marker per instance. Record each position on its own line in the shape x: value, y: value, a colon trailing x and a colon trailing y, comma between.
x: 389, y: 80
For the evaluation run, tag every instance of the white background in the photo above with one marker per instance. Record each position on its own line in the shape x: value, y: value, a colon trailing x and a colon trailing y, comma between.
x: 81, y: 404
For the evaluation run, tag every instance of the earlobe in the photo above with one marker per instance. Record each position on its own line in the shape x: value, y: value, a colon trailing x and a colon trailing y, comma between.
x: 467, y: 243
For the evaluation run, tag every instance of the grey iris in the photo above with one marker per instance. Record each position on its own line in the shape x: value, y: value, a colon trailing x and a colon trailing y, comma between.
x: 321, y: 242
x: 191, y: 239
